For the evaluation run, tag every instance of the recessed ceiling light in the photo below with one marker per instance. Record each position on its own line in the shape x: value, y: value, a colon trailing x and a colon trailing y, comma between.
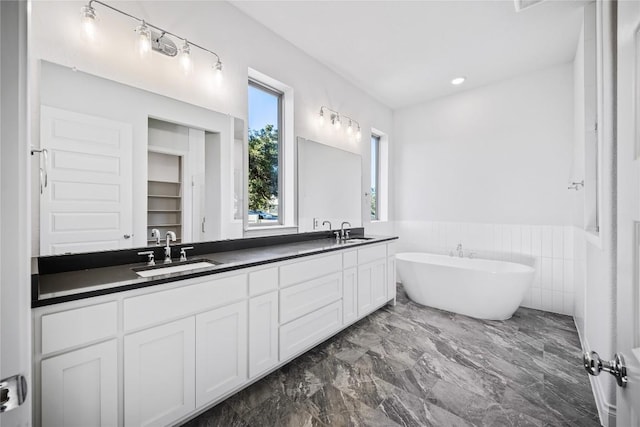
x: 458, y: 80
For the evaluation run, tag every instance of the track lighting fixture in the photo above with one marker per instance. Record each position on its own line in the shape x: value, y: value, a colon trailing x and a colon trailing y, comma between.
x: 149, y: 38
x: 336, y: 120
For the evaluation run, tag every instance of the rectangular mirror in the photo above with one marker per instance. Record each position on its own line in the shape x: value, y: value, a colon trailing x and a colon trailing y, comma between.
x: 118, y: 162
x: 329, y: 186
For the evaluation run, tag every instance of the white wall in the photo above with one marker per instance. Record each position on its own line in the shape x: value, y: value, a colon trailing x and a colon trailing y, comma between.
x: 489, y: 167
x: 497, y: 154
x: 241, y: 42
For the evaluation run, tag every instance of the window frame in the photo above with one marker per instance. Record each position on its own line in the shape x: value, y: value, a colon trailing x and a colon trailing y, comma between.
x: 287, y: 199
x: 378, y: 140
x: 280, y: 122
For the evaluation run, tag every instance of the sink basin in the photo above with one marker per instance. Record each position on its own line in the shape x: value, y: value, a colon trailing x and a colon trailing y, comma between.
x: 357, y: 239
x: 159, y: 270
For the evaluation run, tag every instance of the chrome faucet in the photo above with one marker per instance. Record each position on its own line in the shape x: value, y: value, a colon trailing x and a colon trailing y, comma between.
x: 327, y: 222
x: 156, y: 233
x: 459, y: 250
x: 171, y: 236
x: 344, y: 234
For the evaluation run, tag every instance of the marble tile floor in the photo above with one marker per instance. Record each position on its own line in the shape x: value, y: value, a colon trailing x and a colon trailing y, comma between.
x: 411, y: 365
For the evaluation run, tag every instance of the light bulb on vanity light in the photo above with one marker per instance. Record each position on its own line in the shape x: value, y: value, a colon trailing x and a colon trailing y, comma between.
x: 350, y: 128
x: 144, y: 40
x: 88, y: 22
x: 358, y: 134
x: 185, y: 58
x: 336, y: 121
x: 217, y: 72
x: 321, y: 117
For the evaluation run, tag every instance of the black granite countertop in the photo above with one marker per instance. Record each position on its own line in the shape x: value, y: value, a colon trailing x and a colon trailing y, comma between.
x: 66, y: 277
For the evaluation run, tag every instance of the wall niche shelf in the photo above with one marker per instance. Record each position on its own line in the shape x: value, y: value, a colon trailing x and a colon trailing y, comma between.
x: 164, y: 195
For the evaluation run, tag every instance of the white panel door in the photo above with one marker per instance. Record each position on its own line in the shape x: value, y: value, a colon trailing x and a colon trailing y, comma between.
x: 86, y: 183
x: 372, y: 286
x: 159, y: 374
x: 221, y: 351
x: 263, y: 333
x: 628, y: 286
x: 80, y: 388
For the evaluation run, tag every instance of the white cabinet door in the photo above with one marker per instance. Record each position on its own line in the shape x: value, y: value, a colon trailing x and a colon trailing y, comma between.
x: 391, y: 280
x: 159, y: 374
x: 80, y: 388
x: 221, y: 351
x: 349, y: 295
x: 372, y: 286
x: 263, y: 333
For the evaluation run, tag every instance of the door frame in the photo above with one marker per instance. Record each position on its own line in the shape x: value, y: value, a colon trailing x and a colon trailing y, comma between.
x: 15, y: 227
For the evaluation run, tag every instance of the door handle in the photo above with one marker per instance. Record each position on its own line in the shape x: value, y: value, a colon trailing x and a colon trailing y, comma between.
x: 13, y: 392
x: 616, y: 367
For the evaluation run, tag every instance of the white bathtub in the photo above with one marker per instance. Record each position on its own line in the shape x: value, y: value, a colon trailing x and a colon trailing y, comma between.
x: 480, y: 288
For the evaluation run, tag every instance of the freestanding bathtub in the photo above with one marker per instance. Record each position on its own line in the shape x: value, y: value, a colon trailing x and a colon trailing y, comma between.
x: 480, y: 288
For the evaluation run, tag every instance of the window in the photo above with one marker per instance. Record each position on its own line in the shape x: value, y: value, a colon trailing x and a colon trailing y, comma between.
x: 265, y: 155
x: 375, y: 177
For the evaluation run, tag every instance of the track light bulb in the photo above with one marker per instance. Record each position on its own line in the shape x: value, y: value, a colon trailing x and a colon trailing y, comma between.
x: 144, y: 40
x: 185, y: 58
x: 88, y: 22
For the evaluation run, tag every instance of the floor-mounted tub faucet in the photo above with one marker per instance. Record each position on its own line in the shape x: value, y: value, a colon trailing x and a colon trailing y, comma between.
x: 171, y: 237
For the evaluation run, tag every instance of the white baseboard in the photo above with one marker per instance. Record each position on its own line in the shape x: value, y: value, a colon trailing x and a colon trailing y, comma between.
x: 606, y: 410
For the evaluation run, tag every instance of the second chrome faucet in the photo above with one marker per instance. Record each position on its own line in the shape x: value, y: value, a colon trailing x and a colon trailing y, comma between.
x: 171, y: 237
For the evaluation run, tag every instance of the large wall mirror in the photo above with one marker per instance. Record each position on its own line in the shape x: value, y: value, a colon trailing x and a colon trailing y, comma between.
x: 329, y: 186
x: 121, y: 166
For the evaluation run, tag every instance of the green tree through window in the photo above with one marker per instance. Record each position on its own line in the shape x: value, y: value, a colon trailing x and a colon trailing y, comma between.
x: 263, y: 168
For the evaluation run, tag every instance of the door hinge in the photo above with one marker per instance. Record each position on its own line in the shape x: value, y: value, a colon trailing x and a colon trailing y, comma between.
x: 13, y: 392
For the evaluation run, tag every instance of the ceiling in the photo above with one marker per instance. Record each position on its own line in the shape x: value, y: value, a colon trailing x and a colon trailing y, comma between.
x: 406, y: 52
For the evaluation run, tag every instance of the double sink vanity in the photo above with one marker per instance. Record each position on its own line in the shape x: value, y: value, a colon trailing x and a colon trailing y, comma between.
x: 119, y: 342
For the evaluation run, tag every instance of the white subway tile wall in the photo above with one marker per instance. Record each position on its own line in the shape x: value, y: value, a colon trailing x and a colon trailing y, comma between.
x: 549, y: 249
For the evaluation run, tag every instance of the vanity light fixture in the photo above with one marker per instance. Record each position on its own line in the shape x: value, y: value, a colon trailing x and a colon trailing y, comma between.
x: 150, y: 38
x: 336, y: 120
x: 458, y: 81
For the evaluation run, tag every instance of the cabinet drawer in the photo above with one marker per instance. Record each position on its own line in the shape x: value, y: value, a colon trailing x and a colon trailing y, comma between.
x: 75, y: 327
x: 298, y: 300
x: 371, y: 253
x: 350, y: 259
x: 263, y: 281
x: 309, y: 330
x: 154, y: 308
x: 302, y: 271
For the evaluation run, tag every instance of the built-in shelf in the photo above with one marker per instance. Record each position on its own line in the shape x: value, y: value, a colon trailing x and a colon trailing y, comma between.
x: 164, y: 189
